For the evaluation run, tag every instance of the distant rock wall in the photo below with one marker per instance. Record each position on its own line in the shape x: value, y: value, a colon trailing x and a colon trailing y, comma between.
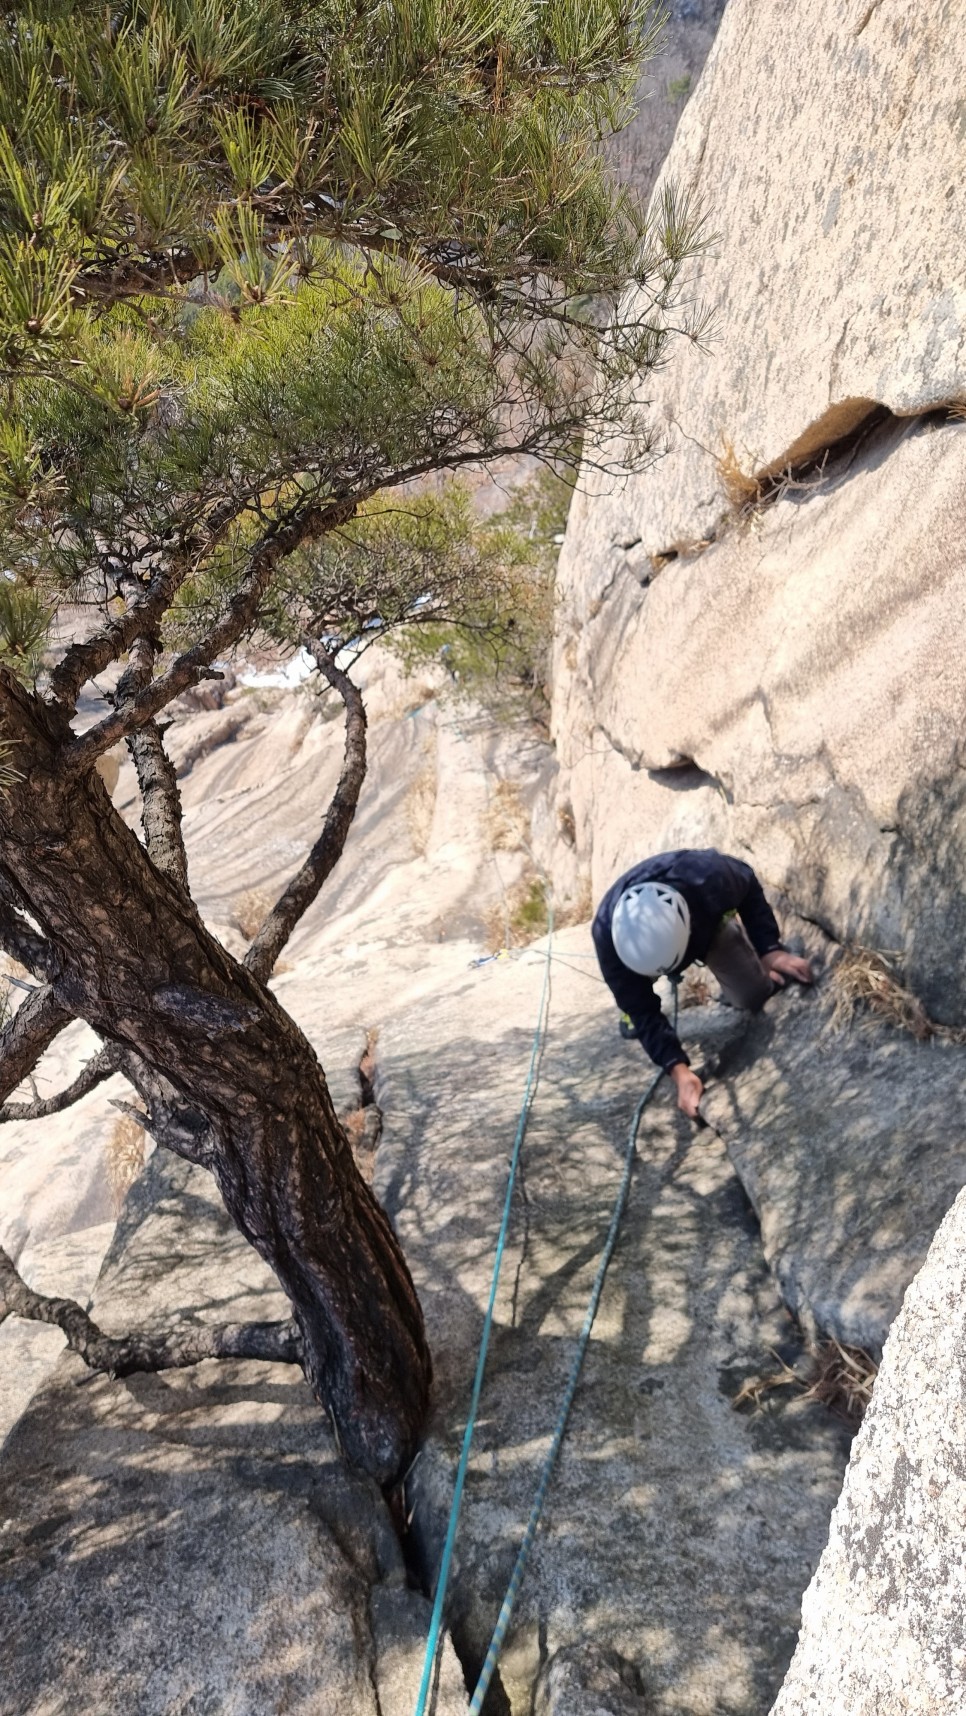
x: 782, y: 677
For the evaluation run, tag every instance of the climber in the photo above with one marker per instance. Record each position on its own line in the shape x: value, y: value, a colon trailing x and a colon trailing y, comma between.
x: 676, y: 909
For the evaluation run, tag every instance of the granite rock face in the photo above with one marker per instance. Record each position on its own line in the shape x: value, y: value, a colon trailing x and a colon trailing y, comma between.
x: 883, y: 1620
x: 851, y: 1145
x: 428, y: 866
x: 679, y: 1532
x: 771, y: 665
x: 192, y: 1542
x: 832, y: 184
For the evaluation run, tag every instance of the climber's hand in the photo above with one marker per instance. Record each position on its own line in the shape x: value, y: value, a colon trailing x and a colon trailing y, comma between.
x: 689, y: 1088
x: 780, y: 965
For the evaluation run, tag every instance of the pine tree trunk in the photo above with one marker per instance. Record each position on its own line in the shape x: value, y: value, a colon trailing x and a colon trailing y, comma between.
x: 138, y: 964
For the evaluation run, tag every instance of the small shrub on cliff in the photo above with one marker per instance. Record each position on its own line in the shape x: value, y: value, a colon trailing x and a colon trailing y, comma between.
x: 864, y: 986
x: 497, y: 652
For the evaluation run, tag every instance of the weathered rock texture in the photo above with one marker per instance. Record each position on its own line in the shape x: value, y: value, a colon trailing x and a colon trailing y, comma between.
x: 851, y: 1144
x: 883, y: 1621
x: 192, y: 1542
x: 787, y: 684
x: 679, y: 1532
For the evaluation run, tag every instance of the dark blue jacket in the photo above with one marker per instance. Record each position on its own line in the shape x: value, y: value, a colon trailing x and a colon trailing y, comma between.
x: 712, y: 885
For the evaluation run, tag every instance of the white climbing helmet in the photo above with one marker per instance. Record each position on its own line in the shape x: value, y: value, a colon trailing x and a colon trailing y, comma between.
x: 651, y: 927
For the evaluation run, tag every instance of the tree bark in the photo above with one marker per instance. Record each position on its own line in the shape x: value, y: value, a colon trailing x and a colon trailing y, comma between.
x: 28, y: 1035
x: 307, y: 883
x: 136, y: 962
x: 122, y: 1355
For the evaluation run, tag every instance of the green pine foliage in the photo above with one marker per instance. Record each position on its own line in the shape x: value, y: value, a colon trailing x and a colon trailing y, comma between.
x: 258, y: 256
x: 495, y: 640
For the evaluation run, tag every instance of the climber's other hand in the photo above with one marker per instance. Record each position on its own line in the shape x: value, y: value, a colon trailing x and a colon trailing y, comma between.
x: 780, y: 965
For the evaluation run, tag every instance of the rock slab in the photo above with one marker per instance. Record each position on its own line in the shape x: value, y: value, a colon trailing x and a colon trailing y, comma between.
x: 679, y: 1533
x: 851, y: 1144
x: 191, y: 1543
x: 883, y: 1621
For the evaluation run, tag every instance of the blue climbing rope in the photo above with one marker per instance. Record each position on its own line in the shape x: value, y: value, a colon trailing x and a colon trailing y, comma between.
x: 442, y: 1580
x: 516, y: 1578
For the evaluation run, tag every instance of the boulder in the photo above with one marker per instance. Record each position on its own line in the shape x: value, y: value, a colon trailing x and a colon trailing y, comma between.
x: 679, y: 1532
x: 851, y: 1144
x: 882, y: 1624
x: 757, y: 642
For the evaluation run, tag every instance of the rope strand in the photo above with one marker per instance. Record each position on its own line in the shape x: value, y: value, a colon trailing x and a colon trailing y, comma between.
x: 442, y: 1580
x: 516, y: 1578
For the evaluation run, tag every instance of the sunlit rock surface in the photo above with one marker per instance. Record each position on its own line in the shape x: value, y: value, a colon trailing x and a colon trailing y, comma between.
x: 759, y: 637
x: 883, y: 1623
x: 192, y: 1541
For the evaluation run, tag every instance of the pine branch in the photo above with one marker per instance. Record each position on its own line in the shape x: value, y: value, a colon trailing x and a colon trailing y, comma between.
x: 83, y: 661
x: 325, y: 854
x: 100, y: 1067
x: 195, y: 663
x: 160, y: 797
x: 28, y: 1035
x: 277, y: 1343
x: 161, y: 804
x: 18, y: 939
x: 171, y: 1121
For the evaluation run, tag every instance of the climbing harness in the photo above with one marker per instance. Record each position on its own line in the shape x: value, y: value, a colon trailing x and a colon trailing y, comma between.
x: 516, y: 1578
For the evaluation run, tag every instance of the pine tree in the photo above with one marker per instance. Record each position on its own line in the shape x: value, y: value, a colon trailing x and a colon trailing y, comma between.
x: 260, y: 264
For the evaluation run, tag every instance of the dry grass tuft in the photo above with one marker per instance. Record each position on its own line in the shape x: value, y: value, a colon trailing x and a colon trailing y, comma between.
x: 507, y: 823
x: 520, y: 917
x: 840, y: 1378
x: 421, y: 804
x: 863, y: 983
x: 742, y: 491
x: 576, y: 910
x: 124, y: 1156
x: 249, y: 911
x: 696, y: 988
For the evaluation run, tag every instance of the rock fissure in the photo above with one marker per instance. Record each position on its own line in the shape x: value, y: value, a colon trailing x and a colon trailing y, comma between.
x: 867, y: 17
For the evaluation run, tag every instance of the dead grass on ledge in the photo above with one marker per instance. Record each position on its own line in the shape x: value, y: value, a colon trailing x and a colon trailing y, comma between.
x: 839, y: 1378
x: 249, y: 910
x: 862, y: 982
x: 124, y: 1156
x: 742, y: 491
